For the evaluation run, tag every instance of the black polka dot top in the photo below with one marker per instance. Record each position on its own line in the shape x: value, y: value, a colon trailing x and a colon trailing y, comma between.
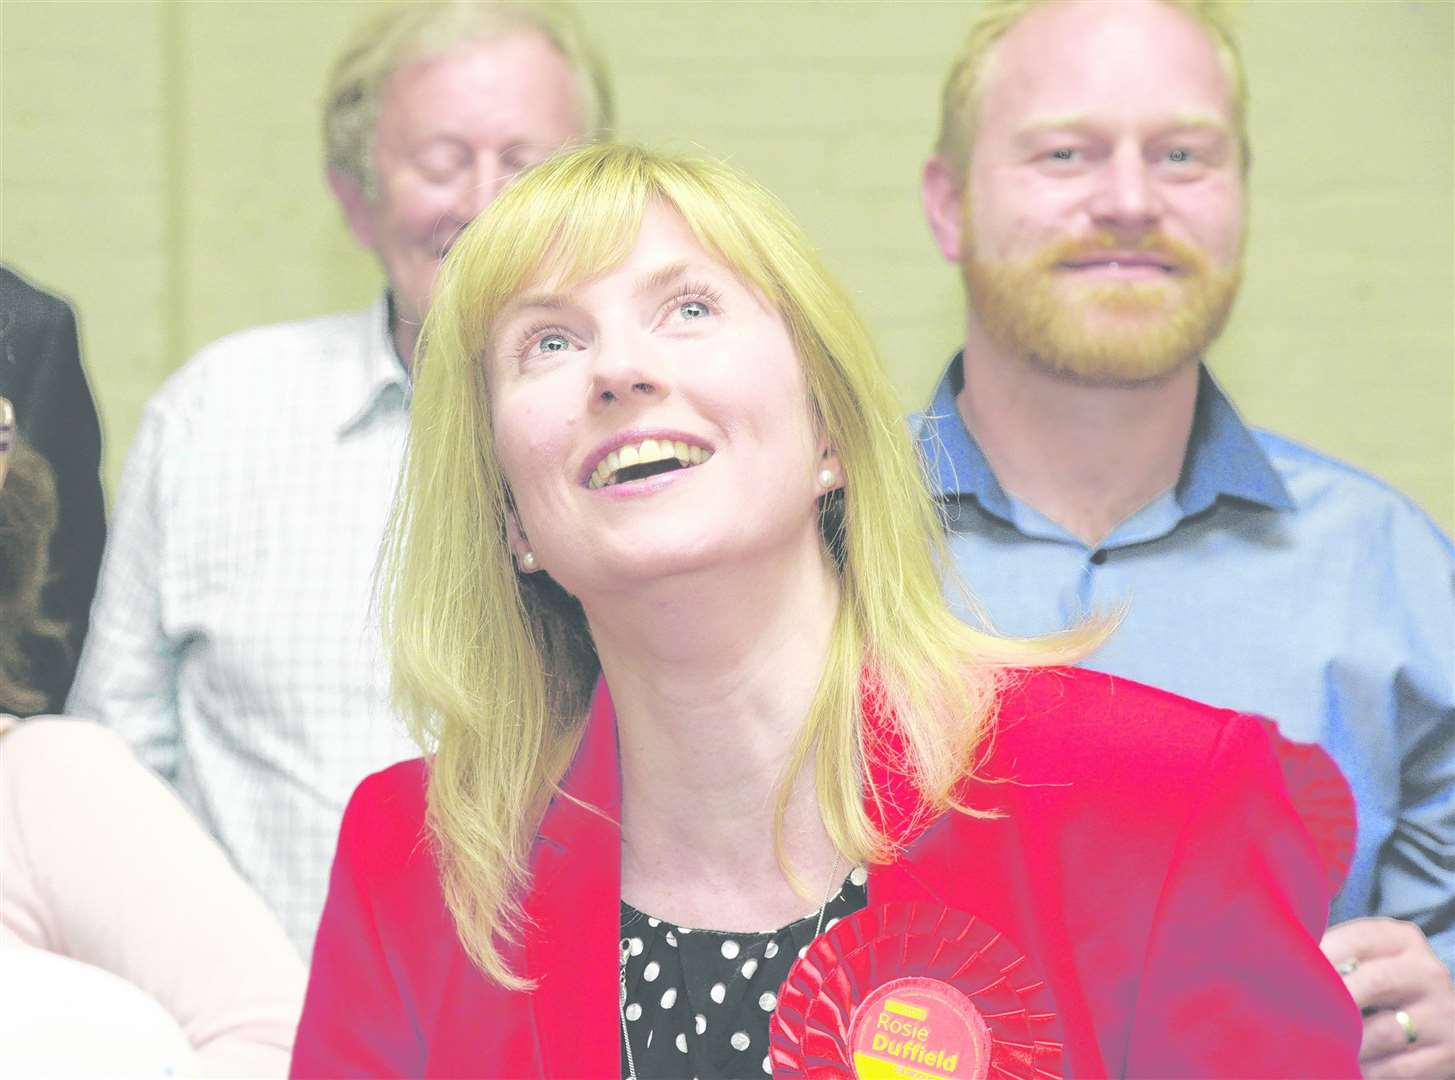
x: 698, y: 1001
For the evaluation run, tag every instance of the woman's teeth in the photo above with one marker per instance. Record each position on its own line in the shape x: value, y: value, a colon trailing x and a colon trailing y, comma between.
x: 648, y: 452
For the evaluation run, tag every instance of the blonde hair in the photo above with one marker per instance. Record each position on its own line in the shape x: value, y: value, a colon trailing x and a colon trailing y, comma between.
x: 407, y: 32
x: 493, y: 669
x: 960, y: 99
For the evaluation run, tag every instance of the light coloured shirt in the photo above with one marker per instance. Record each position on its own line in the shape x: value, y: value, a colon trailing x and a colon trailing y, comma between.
x: 1270, y: 579
x: 231, y: 640
x: 170, y: 959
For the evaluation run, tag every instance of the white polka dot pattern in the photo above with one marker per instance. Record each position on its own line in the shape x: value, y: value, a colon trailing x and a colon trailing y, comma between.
x: 699, y: 1002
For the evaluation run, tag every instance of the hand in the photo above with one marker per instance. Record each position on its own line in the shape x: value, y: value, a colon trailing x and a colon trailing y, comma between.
x: 1394, y: 975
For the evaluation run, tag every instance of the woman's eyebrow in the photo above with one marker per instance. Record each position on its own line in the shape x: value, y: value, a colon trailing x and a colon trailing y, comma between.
x: 540, y: 301
x: 662, y: 277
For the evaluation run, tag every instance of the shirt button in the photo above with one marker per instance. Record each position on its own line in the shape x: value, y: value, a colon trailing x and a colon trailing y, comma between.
x: 1098, y: 557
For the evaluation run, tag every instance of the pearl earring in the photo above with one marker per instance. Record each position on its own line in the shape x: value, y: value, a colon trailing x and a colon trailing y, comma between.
x: 827, y: 478
x: 528, y: 561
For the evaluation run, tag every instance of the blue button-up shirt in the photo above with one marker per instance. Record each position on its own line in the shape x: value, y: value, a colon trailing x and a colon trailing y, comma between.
x: 1272, y: 580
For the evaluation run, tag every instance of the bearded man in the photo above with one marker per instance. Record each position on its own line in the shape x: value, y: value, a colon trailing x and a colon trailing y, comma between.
x: 1090, y: 182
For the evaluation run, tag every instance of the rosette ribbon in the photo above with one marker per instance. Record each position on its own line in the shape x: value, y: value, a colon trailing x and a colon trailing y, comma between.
x: 1322, y: 798
x: 917, y: 991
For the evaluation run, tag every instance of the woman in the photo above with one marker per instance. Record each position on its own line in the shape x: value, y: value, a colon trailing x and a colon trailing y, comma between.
x: 654, y: 455
x: 128, y: 944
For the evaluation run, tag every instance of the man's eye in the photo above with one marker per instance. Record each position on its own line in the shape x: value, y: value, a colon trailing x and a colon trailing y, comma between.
x: 518, y: 159
x: 694, y: 309
x: 1063, y: 153
x: 1179, y: 157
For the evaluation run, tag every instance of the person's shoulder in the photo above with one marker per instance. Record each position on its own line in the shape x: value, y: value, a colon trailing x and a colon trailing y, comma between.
x: 1367, y: 509
x: 1061, y: 725
x: 384, y: 823
x: 23, y: 304
x: 260, y: 361
x: 52, y: 751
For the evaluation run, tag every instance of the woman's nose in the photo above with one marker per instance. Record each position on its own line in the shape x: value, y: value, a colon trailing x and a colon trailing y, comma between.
x: 625, y: 369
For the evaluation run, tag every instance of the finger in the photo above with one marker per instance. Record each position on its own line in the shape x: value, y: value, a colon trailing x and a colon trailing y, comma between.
x: 1385, y: 982
x: 1385, y: 1036
x: 1369, y: 937
x: 1424, y: 1063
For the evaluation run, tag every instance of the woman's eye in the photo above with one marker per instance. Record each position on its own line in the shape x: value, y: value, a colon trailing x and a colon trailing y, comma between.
x: 694, y: 309
x: 553, y: 343
x: 1179, y: 157
x: 1063, y: 153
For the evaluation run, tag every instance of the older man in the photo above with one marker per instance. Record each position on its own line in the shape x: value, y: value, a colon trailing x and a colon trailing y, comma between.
x: 231, y: 639
x: 1090, y: 183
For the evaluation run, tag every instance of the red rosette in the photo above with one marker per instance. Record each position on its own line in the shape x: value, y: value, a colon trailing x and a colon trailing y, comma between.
x: 1322, y: 797
x: 993, y: 999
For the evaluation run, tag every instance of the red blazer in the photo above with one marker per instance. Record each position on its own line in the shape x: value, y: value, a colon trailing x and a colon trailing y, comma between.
x: 1148, y: 861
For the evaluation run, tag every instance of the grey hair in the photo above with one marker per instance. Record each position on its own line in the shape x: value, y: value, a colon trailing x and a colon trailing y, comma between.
x: 406, y: 32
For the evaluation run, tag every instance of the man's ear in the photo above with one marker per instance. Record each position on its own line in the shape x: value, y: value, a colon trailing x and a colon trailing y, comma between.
x: 355, y: 205
x: 944, y: 203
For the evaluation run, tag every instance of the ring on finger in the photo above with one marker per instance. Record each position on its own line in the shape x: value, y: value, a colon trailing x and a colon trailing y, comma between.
x: 1403, y: 1019
x: 1347, y: 967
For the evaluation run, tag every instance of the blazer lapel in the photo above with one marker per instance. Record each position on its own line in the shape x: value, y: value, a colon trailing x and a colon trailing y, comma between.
x: 574, y: 909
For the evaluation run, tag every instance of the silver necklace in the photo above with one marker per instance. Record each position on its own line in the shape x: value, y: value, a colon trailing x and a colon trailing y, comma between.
x: 626, y: 951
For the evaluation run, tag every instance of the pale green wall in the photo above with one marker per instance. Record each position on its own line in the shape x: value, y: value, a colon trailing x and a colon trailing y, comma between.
x: 160, y: 166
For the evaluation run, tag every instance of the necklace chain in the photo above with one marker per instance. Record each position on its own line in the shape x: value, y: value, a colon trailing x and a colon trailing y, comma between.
x: 626, y: 951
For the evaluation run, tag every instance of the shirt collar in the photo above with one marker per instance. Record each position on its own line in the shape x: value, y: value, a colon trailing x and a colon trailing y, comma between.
x: 382, y: 380
x: 1223, y: 457
x: 956, y: 464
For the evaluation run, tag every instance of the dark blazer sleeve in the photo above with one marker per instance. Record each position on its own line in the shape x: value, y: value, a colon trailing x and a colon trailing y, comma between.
x: 41, y: 373
x: 358, y: 1019
x: 1232, y: 955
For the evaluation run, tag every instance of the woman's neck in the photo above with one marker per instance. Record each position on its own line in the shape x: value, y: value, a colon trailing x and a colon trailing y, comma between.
x: 712, y: 675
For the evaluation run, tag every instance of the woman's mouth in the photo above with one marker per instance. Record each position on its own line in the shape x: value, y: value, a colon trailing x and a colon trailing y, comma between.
x: 636, y: 461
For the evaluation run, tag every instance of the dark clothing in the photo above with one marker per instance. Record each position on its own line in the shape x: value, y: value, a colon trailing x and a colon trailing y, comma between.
x: 41, y: 374
x: 698, y: 1001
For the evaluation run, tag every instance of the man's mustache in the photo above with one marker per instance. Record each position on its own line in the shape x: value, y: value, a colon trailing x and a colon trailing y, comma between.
x: 1100, y: 246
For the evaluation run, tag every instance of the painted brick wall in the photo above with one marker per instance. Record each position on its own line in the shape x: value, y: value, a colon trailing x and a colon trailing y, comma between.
x: 160, y: 164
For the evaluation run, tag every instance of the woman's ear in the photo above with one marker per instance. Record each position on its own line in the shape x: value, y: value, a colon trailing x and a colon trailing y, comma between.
x: 830, y: 474
x: 525, y: 558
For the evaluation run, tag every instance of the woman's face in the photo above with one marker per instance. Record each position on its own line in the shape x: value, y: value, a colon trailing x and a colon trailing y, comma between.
x: 653, y: 421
